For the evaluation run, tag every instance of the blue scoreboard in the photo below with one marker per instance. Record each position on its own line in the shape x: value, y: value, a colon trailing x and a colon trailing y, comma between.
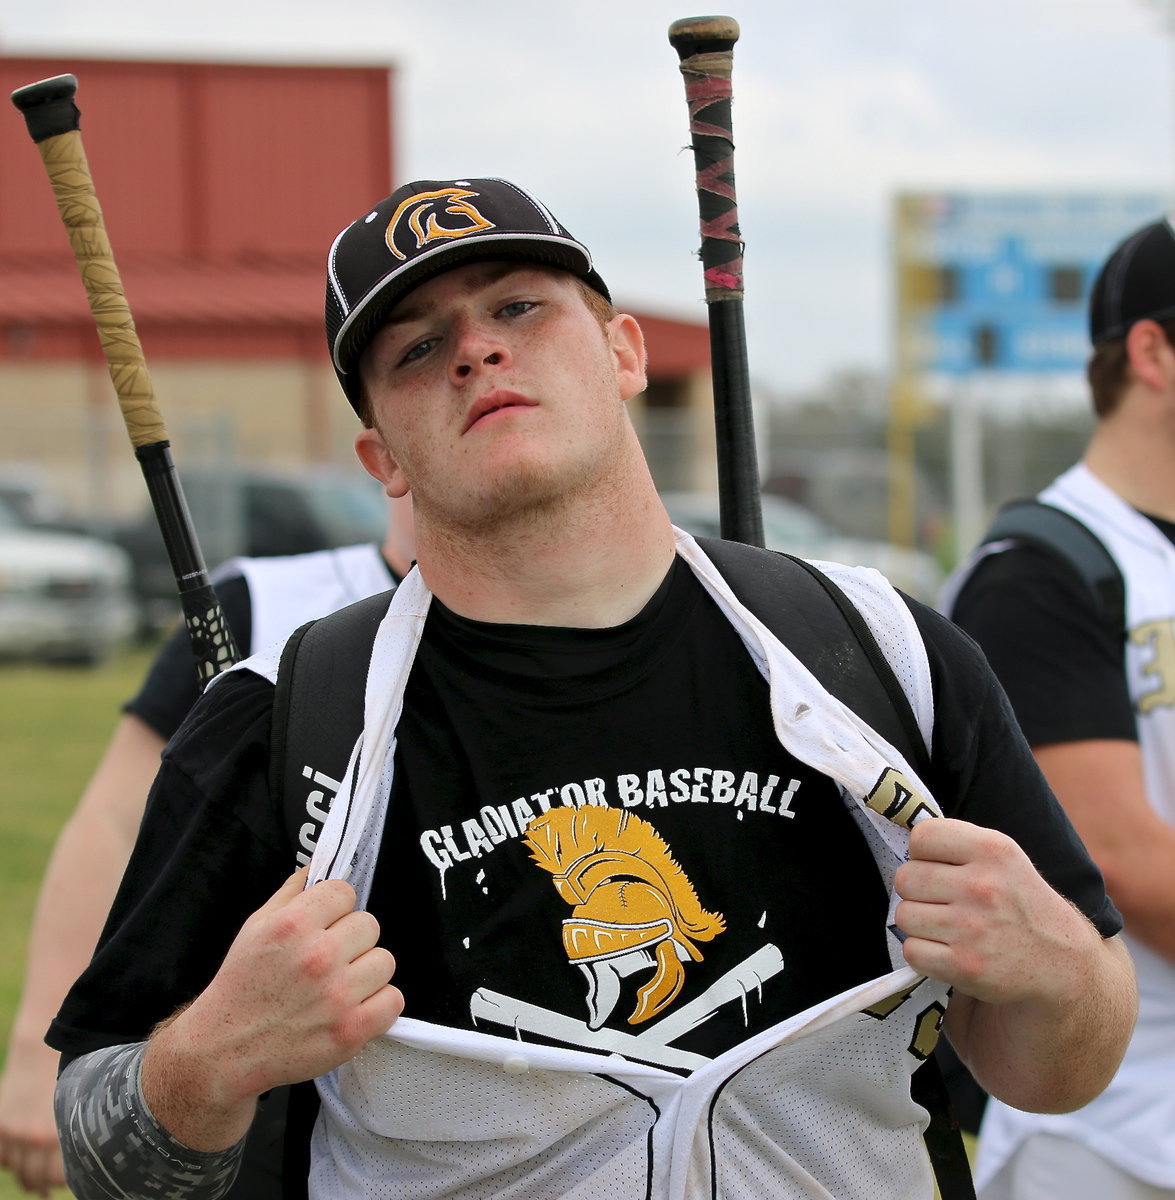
x: 999, y: 282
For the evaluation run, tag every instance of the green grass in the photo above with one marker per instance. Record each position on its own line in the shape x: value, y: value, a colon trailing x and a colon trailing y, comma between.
x: 54, y: 723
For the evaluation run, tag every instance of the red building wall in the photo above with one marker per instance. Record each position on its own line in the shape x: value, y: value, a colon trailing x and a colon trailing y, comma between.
x: 207, y: 160
x: 221, y: 186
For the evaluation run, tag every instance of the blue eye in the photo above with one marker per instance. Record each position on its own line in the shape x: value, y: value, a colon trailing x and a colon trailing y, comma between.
x: 418, y: 351
x: 516, y: 308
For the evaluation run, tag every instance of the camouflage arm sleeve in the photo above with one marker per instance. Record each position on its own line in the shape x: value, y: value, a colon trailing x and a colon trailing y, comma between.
x: 114, y: 1148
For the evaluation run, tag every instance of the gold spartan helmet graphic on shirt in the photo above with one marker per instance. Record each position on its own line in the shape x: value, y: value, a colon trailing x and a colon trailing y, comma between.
x: 435, y: 216
x: 633, y: 908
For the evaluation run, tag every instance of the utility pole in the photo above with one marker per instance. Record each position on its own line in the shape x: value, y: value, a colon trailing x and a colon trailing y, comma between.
x: 1166, y: 13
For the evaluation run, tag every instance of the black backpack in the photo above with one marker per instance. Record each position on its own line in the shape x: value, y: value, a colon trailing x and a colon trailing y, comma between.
x: 318, y: 716
x: 1072, y: 542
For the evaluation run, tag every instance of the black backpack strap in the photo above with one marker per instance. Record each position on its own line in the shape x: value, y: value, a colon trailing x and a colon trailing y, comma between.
x: 318, y: 714
x: 317, y: 718
x: 1065, y: 537
x: 301, y: 1113
x: 279, y: 727
x: 818, y: 623
x: 943, y: 1137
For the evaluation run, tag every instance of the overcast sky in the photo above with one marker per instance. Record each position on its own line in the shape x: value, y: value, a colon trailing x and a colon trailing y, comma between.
x: 838, y: 104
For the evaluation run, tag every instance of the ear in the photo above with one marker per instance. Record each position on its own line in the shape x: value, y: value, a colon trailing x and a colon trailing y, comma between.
x: 628, y: 346
x: 1151, y: 357
x: 378, y: 462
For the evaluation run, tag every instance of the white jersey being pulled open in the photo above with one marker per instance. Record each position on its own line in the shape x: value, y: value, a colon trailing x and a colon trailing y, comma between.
x: 816, y: 1106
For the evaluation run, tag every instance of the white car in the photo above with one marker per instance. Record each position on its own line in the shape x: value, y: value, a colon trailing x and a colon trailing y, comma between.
x: 790, y: 527
x: 63, y: 596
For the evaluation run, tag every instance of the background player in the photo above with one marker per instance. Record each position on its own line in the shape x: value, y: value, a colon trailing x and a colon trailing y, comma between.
x: 1097, y: 702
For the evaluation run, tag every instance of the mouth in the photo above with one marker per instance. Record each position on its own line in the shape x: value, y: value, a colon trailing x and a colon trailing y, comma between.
x: 493, y: 402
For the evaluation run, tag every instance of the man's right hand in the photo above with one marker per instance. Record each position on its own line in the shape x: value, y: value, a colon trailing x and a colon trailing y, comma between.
x: 302, y: 989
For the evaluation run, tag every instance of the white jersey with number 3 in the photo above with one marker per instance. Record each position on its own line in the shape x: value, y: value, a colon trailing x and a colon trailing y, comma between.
x: 1132, y: 1123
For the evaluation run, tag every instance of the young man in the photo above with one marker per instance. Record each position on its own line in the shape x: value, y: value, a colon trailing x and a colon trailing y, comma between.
x: 1094, y: 691
x: 264, y: 599
x: 630, y: 864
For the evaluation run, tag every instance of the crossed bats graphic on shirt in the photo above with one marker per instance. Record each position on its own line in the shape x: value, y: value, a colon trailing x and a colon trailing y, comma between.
x: 633, y: 909
x: 653, y: 1044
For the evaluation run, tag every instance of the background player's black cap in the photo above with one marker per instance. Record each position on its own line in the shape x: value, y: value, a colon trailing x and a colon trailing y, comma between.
x: 1137, y: 281
x: 423, y: 229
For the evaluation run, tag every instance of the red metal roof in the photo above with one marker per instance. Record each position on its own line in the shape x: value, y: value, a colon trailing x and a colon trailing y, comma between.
x: 219, y: 214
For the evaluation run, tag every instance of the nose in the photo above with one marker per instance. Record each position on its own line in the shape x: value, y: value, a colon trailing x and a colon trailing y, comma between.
x: 476, y: 347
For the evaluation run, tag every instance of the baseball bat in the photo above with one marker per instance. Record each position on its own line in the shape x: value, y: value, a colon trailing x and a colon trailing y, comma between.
x: 54, y: 123
x: 705, y: 47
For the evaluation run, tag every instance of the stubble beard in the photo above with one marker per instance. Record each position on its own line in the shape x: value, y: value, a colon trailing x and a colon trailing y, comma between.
x: 530, y: 497
x: 534, y: 496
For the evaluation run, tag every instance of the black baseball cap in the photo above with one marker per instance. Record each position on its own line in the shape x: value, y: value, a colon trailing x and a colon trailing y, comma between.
x: 1136, y: 282
x: 424, y: 229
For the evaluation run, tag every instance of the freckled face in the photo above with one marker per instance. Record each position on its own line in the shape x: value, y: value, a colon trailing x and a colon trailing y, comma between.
x: 494, y: 390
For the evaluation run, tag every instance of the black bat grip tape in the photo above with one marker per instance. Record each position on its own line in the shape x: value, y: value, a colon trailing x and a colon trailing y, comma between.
x: 48, y: 106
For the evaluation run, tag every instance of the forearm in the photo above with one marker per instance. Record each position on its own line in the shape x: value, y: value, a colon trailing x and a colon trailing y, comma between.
x: 303, y: 987
x: 80, y: 881
x: 1141, y: 883
x: 1102, y: 787
x: 114, y: 1147
x: 83, y: 874
x: 79, y: 885
x: 1057, y: 1052
x: 193, y: 1089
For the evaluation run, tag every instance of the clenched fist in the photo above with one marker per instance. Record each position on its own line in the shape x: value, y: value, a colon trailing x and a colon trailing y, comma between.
x: 978, y: 915
x: 303, y: 987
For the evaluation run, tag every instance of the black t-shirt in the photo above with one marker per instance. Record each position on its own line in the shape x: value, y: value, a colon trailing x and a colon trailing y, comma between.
x: 655, y: 734
x: 1060, y: 661
x: 706, y: 831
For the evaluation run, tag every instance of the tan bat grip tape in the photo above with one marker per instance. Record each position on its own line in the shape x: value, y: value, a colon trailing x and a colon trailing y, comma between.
x: 69, y: 174
x: 717, y: 64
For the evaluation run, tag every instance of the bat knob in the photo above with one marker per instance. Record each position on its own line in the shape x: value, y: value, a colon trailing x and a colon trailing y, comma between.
x: 48, y: 106
x: 703, y: 35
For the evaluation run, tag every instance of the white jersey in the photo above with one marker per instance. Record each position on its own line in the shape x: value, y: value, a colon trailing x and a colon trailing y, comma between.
x: 286, y: 591
x: 1132, y: 1123
x: 817, y: 1106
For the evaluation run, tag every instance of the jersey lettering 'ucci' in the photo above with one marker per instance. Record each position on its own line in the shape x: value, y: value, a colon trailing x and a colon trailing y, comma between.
x: 317, y: 807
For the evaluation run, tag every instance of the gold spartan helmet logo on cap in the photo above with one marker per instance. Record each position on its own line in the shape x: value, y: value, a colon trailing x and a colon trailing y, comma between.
x: 633, y: 908
x: 419, y: 214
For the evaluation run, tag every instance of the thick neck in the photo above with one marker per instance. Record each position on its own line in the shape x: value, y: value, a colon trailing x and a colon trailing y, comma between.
x: 590, y: 563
